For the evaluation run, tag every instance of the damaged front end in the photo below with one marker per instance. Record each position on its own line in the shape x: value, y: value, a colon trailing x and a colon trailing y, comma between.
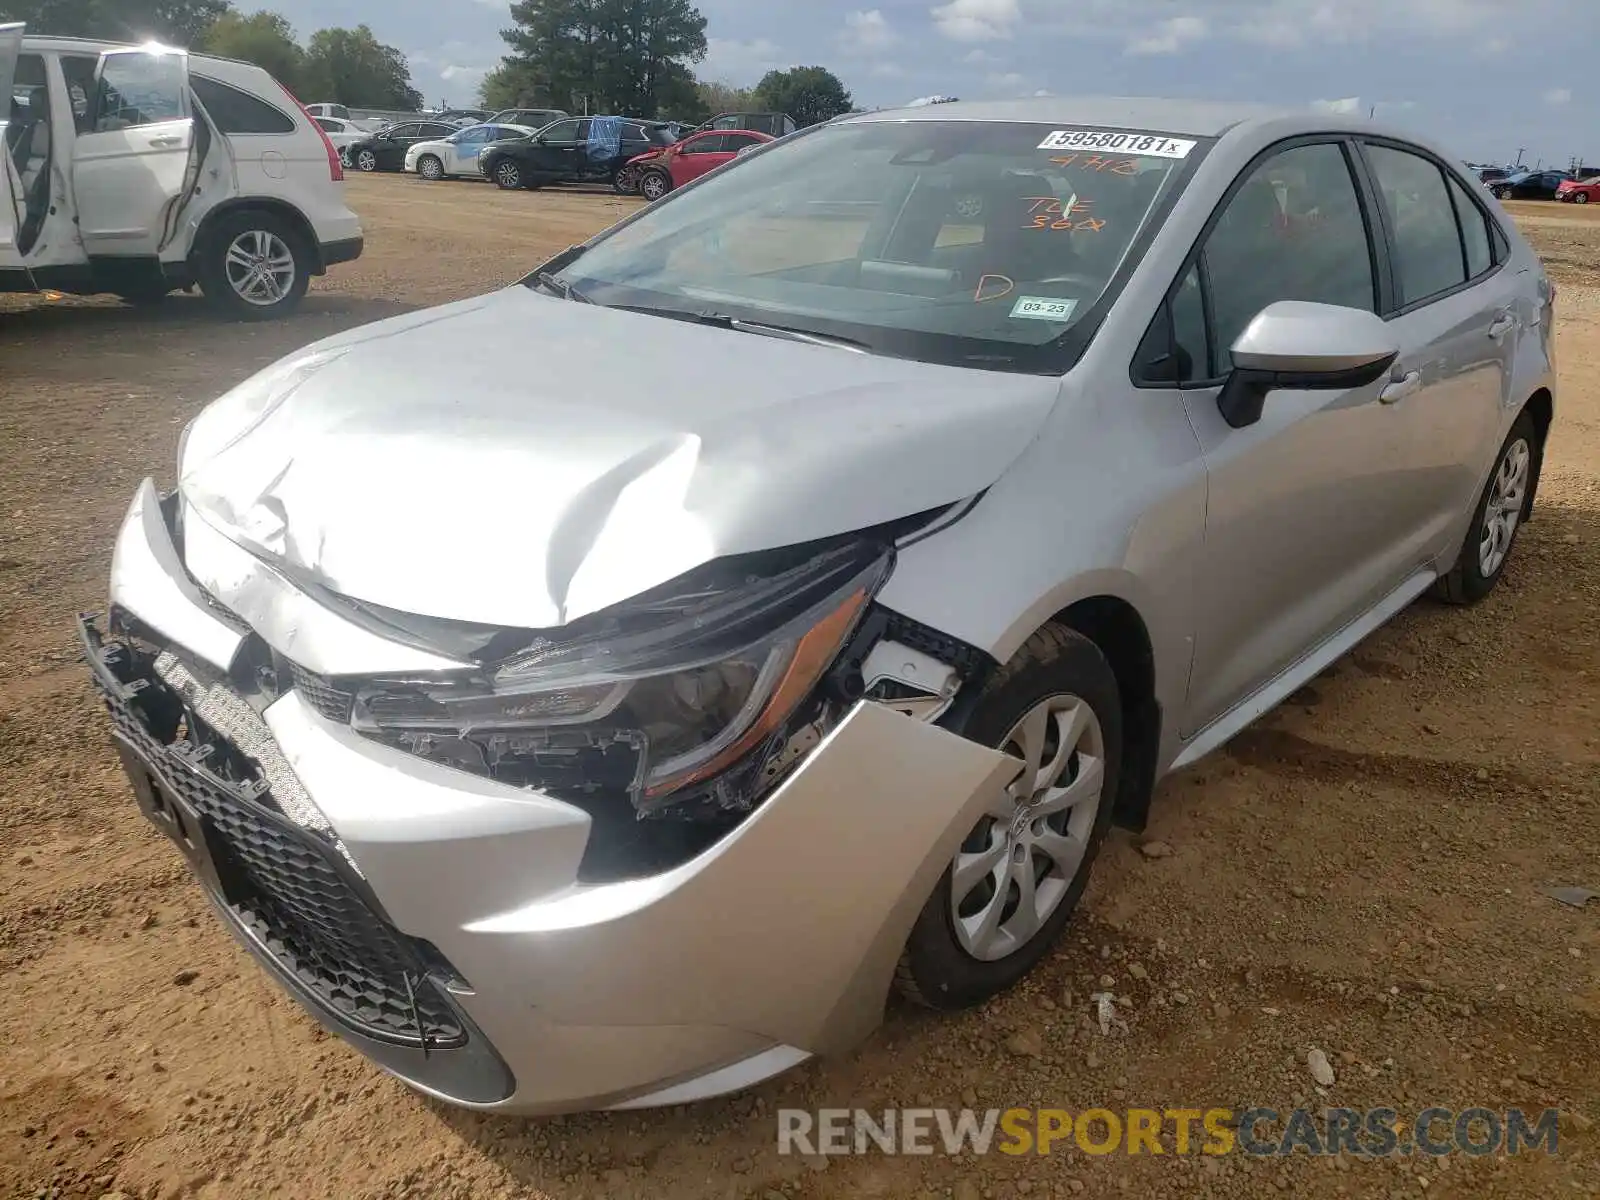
x: 667, y: 718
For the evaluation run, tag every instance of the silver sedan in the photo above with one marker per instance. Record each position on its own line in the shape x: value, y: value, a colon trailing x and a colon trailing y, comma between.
x: 601, y: 692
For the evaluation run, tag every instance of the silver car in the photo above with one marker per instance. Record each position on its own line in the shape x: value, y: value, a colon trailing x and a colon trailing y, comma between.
x: 887, y: 516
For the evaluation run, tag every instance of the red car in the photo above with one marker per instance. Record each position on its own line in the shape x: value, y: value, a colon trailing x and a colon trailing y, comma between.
x: 1579, y: 191
x: 656, y: 172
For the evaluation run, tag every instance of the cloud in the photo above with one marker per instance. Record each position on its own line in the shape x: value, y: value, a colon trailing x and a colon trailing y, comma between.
x: 979, y: 57
x: 1170, y: 37
x: 1349, y: 105
x: 866, y: 31
x: 977, y: 20
x: 1558, y: 96
x: 1009, y: 82
x: 736, y: 61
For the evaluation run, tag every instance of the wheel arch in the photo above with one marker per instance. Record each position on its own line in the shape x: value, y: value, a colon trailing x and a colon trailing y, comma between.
x: 1119, y: 630
x: 266, y: 204
x: 1541, y: 407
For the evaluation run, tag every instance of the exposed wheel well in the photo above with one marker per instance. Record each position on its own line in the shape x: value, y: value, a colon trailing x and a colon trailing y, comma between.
x: 1116, y: 627
x: 1541, y: 407
x: 277, y: 208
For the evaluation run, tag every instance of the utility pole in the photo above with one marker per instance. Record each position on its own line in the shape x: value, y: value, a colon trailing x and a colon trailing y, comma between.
x: 1520, y: 151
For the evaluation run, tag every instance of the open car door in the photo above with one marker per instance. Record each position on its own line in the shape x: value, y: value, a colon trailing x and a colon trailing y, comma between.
x: 135, y: 167
x: 10, y: 185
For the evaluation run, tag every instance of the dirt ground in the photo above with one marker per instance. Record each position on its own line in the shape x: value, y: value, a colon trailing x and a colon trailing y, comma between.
x: 1360, y: 872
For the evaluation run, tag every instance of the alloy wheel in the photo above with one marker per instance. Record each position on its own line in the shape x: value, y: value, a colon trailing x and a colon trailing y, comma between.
x: 653, y: 186
x: 366, y: 161
x: 260, y: 267
x: 508, y: 176
x: 1017, y: 865
x: 1502, y: 511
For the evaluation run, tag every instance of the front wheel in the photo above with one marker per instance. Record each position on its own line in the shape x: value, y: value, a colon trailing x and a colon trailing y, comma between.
x: 508, y: 175
x: 431, y: 168
x: 1503, y: 193
x: 1502, y: 508
x: 1580, y: 197
x: 654, y: 184
x: 366, y: 160
x: 1013, y: 885
x: 254, y: 265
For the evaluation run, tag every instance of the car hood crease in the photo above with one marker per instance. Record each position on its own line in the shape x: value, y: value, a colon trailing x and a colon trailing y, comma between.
x: 522, y: 460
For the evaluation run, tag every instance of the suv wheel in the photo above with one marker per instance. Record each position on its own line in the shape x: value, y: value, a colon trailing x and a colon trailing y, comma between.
x: 430, y: 168
x: 366, y: 160
x: 654, y: 184
x: 508, y: 175
x: 254, y: 265
x: 1016, y: 879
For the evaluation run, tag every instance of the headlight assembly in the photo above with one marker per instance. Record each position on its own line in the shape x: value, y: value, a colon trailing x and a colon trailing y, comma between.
x: 695, y: 677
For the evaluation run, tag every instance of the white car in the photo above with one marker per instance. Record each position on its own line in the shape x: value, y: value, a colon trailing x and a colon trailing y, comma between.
x: 139, y: 170
x: 343, y: 134
x: 458, y: 153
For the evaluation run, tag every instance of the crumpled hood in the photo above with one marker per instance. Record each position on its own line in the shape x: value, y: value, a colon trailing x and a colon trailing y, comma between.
x: 522, y: 460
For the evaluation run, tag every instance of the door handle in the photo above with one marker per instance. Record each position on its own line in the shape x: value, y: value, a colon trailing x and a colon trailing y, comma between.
x: 1400, y: 388
x: 1503, y: 324
x: 169, y: 140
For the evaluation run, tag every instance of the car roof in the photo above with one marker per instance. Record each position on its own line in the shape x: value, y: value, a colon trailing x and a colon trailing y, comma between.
x: 1190, y: 118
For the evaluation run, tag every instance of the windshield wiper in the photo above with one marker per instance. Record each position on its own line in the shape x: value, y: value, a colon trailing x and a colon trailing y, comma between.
x: 548, y: 281
x: 762, y: 329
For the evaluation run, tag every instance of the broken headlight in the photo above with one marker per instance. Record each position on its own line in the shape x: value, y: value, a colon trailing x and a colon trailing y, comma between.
x: 695, y: 675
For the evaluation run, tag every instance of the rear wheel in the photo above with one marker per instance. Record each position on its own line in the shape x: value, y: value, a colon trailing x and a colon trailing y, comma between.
x: 430, y: 167
x: 1016, y: 879
x: 654, y: 184
x: 254, y: 265
x: 626, y: 181
x: 1502, y: 508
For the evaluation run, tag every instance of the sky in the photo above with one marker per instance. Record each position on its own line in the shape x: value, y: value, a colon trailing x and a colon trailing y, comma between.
x: 1484, y: 77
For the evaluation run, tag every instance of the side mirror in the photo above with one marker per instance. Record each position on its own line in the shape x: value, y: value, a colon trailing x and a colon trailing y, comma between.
x: 1297, y: 344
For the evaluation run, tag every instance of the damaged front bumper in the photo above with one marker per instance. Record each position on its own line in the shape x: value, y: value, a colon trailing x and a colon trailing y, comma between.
x: 436, y: 919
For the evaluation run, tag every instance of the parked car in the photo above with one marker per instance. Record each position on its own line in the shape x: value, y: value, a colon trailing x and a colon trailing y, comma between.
x: 643, y: 737
x: 461, y: 118
x: 656, y: 172
x: 530, y: 118
x: 575, y: 150
x: 341, y: 134
x: 1530, y: 185
x: 138, y: 170
x: 1579, y: 191
x: 770, y: 123
x: 386, y: 150
x: 457, y: 155
x: 1492, y: 174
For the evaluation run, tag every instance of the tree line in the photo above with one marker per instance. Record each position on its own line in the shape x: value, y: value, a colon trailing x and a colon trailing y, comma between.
x: 336, y: 66
x: 636, y: 57
x: 626, y: 57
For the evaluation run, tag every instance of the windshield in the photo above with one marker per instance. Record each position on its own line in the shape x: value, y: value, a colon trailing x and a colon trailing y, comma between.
x: 957, y: 242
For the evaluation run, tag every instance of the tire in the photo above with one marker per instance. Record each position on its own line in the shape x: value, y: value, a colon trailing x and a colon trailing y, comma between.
x: 1516, y: 466
x: 430, y: 167
x: 1580, y: 197
x: 507, y: 175
x: 243, y: 243
x: 654, y: 184
x: 1503, y: 193
x: 366, y: 161
x: 626, y: 182
x: 939, y: 968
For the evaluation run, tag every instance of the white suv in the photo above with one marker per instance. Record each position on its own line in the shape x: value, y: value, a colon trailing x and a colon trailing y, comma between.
x: 141, y: 170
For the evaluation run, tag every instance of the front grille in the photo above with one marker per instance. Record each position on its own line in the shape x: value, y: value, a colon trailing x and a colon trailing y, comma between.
x: 288, y: 890
x: 329, y: 701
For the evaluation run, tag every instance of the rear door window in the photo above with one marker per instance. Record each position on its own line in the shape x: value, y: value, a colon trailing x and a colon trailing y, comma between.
x: 1422, y: 223
x: 1475, y: 239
